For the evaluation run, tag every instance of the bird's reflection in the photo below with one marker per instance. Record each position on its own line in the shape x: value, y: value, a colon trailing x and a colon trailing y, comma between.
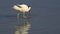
x: 22, y: 29
x: 23, y: 26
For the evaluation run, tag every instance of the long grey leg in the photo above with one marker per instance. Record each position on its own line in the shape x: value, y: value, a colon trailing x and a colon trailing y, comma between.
x: 18, y: 17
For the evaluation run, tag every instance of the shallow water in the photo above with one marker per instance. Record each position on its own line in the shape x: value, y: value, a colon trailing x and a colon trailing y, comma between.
x: 45, y: 16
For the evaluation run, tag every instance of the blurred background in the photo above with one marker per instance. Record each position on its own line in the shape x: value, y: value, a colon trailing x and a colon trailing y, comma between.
x: 45, y: 16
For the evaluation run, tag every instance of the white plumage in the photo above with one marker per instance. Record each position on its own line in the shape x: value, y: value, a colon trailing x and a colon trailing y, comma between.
x: 22, y: 7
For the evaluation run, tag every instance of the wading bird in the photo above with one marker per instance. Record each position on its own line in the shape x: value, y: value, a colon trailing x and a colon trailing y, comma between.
x: 22, y: 29
x: 22, y: 8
